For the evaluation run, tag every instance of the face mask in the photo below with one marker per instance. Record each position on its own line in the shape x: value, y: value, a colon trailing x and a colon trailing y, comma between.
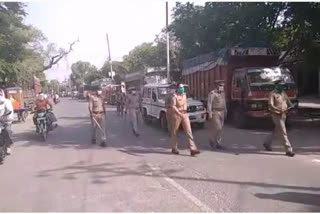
x: 133, y: 92
x: 181, y: 90
x: 99, y: 92
x: 220, y: 88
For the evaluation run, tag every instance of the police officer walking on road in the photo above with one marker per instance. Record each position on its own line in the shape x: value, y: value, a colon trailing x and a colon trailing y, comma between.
x: 98, y: 113
x: 133, y: 108
x: 180, y: 117
x: 216, y: 108
x: 168, y: 104
x: 278, y: 106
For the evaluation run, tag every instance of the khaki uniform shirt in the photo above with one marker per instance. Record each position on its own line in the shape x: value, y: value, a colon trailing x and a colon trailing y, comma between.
x: 96, y: 104
x: 133, y: 102
x: 278, y: 101
x: 216, y: 101
x: 169, y: 100
x: 180, y: 101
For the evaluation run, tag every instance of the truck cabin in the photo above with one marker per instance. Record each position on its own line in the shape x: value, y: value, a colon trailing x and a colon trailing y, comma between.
x: 251, y: 87
x: 261, y: 79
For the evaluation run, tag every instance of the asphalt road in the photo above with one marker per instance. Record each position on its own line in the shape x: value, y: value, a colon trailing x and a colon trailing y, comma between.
x: 67, y: 173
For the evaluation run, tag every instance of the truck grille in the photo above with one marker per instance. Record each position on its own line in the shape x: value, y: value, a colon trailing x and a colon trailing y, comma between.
x: 192, y: 109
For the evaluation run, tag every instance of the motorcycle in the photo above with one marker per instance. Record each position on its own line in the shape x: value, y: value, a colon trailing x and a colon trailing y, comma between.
x: 42, y: 123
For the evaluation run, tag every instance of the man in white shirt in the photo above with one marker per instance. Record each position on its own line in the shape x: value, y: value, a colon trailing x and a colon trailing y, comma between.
x: 6, y: 117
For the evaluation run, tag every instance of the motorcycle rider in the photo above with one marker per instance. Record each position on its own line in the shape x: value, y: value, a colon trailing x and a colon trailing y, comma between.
x: 41, y: 104
x: 6, y: 116
x: 56, y: 98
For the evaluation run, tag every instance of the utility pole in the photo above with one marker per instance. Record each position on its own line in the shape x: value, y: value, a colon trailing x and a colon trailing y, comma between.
x: 110, y: 61
x: 168, y: 47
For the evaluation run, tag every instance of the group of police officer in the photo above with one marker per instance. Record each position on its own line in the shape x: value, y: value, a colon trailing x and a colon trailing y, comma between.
x: 176, y: 113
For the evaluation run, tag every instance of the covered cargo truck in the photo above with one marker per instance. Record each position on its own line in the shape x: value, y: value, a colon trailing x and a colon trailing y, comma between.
x: 248, y: 73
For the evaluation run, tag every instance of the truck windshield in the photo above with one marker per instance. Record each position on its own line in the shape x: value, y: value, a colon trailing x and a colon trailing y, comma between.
x: 261, y: 76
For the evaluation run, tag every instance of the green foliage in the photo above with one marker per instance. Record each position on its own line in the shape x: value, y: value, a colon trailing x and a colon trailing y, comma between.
x: 83, y: 72
x: 290, y: 26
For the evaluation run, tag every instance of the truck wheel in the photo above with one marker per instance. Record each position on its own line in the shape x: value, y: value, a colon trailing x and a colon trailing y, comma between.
x: 163, y: 121
x: 239, y: 119
x: 146, y: 117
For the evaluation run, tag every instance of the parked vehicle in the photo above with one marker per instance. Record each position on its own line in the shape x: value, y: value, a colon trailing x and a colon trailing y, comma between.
x: 248, y: 74
x: 153, y: 105
x: 111, y: 93
x: 15, y: 95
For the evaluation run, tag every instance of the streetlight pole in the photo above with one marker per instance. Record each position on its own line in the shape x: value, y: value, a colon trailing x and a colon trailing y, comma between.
x: 110, y: 61
x: 168, y: 47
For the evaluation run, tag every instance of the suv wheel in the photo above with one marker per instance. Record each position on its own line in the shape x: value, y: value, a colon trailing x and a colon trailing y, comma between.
x: 163, y: 121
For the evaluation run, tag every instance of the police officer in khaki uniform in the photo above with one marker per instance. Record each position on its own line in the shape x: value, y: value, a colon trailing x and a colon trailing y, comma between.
x: 278, y: 106
x: 133, y: 108
x: 216, y: 108
x: 180, y: 117
x: 97, y: 112
x: 168, y: 104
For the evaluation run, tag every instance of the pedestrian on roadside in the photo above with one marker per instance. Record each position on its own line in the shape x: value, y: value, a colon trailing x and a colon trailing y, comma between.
x: 133, y: 109
x: 181, y: 117
x: 98, y: 116
x: 6, y: 118
x: 216, y: 108
x: 278, y: 106
x: 168, y: 104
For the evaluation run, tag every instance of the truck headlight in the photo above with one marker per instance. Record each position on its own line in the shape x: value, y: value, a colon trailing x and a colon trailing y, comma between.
x: 200, y: 108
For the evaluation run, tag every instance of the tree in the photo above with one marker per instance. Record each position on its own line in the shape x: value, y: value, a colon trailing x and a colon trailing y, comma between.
x: 80, y: 70
x: 22, y: 54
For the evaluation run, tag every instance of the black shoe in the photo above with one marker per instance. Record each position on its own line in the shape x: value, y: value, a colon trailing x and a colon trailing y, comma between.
x: 218, y: 146
x: 267, y: 147
x: 103, y: 144
x: 93, y: 141
x: 135, y: 133
x: 194, y: 152
x: 211, y: 143
x: 290, y: 154
x: 174, y: 151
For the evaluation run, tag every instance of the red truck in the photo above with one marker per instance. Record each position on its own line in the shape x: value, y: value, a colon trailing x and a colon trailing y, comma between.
x: 248, y: 73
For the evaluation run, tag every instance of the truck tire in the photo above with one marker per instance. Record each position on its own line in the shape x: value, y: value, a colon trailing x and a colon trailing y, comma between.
x: 163, y: 121
x: 239, y: 119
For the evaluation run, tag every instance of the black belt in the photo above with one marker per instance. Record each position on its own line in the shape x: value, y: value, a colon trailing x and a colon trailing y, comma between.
x: 98, y: 112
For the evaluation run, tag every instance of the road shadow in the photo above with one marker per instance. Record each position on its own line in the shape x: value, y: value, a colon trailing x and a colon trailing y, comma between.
x: 294, y: 197
x: 105, y: 171
x: 75, y: 136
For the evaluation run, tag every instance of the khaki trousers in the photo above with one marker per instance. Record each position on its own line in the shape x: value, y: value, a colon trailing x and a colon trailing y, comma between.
x: 280, y: 132
x: 169, y: 115
x: 184, y: 121
x: 133, y: 119
x: 215, y: 126
x: 100, y: 118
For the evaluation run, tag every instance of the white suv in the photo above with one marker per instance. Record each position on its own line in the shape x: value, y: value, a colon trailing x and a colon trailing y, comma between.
x: 153, y: 105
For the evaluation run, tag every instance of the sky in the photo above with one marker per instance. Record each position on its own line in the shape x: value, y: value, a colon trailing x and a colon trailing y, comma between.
x: 128, y: 23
